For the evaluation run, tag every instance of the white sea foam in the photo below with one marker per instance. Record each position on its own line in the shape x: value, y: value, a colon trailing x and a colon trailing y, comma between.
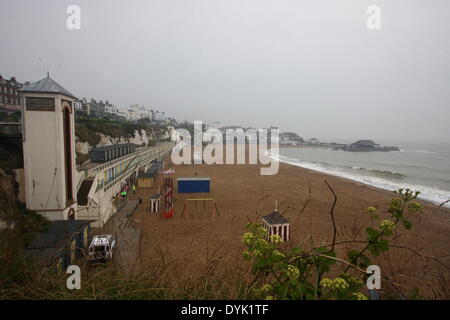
x: 427, y: 193
x: 417, y: 151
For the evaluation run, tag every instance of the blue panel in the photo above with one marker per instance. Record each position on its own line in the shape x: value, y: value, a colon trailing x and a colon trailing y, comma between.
x: 193, y: 186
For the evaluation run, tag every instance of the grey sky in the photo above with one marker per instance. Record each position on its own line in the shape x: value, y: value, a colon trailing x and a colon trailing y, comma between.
x: 306, y: 66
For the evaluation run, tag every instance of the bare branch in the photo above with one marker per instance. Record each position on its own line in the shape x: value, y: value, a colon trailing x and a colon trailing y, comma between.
x: 309, y: 198
x: 332, y: 214
x: 395, y: 246
x: 421, y: 255
x: 341, y: 260
x: 442, y: 204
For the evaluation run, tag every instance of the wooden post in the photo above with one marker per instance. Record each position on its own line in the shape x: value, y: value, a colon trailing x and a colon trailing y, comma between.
x: 196, y: 211
x: 217, y: 210
x: 185, y: 208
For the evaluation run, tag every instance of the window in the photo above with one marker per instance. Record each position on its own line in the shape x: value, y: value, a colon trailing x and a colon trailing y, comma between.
x: 71, y: 215
x: 68, y: 154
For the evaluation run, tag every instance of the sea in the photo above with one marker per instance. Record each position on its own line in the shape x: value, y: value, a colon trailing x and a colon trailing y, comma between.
x: 423, y: 167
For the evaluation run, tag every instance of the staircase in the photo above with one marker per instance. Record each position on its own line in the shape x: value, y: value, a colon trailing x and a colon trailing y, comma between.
x: 82, y: 195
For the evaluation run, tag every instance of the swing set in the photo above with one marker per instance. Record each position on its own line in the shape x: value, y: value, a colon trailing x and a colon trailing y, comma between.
x: 214, y: 209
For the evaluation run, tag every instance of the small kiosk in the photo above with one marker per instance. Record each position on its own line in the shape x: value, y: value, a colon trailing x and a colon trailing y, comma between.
x: 276, y: 224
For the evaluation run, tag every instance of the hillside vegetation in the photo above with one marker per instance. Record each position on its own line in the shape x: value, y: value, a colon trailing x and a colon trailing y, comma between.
x: 88, y: 130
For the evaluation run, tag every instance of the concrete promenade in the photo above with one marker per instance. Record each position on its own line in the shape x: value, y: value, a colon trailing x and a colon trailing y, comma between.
x: 123, y: 226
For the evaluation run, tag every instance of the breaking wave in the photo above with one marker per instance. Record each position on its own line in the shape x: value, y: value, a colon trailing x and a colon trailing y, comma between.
x: 417, y: 151
x: 377, y: 178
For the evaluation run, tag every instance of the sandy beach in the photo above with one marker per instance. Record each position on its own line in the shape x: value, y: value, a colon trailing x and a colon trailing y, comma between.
x: 201, y: 245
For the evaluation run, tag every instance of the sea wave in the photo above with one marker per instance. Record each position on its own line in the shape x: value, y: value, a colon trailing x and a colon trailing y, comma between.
x: 417, y: 151
x: 386, y: 173
x: 371, y: 178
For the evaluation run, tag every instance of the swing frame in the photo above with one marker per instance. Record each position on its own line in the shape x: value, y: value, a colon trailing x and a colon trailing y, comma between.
x: 214, y: 209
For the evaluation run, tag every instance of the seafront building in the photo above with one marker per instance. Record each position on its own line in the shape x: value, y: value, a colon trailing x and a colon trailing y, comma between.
x: 134, y: 112
x: 10, y: 100
x: 54, y: 187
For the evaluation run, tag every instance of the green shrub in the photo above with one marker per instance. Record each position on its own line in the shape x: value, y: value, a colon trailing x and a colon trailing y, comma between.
x: 301, y: 274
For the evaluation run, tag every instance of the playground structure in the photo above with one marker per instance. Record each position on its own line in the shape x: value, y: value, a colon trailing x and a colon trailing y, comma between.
x: 155, y: 203
x: 194, y: 185
x: 214, y: 209
x: 169, y: 208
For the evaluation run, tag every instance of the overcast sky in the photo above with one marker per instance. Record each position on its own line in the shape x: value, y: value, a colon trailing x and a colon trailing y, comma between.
x: 312, y: 67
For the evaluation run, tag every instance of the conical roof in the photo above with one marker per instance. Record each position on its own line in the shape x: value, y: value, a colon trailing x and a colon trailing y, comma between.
x: 275, y: 218
x: 46, y: 85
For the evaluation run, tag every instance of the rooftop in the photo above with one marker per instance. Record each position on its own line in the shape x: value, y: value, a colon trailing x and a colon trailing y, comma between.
x: 44, y: 256
x: 365, y: 142
x: 46, y: 85
x: 113, y: 146
x: 151, y: 172
x: 275, y: 218
x: 67, y: 226
x: 51, y: 240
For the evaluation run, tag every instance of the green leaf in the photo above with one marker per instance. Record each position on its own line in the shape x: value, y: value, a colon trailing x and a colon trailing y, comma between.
x: 352, y: 256
x: 295, y: 251
x: 383, y: 245
x: 365, y: 261
x: 407, y: 224
x: 372, y: 233
x: 374, y: 249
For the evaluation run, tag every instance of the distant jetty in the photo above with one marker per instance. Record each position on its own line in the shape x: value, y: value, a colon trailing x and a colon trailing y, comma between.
x: 361, y: 146
x: 369, y: 145
x: 292, y: 139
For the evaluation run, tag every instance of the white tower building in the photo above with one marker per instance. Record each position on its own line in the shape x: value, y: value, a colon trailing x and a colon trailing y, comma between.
x: 49, y: 149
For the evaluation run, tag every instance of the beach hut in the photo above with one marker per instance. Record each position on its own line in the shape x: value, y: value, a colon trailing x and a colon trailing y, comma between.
x: 147, y: 179
x: 155, y: 202
x: 61, y: 245
x: 80, y: 228
x: 111, y: 152
x: 276, y: 224
x: 48, y: 257
x: 50, y: 248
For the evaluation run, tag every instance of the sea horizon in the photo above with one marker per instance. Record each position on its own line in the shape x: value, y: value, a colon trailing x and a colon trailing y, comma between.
x: 418, y: 166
